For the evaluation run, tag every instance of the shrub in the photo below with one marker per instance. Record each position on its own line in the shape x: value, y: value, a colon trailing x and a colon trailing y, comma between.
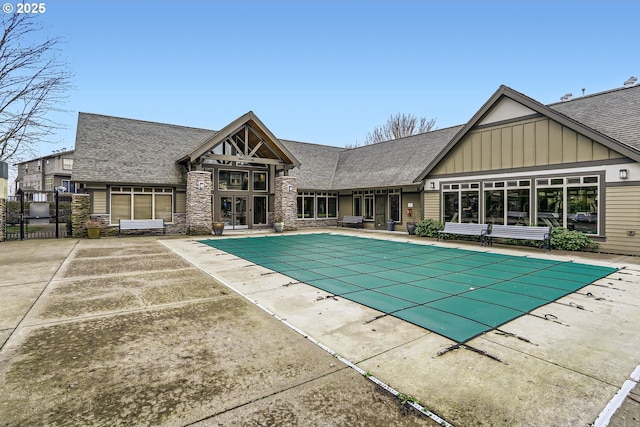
x: 429, y: 228
x: 570, y: 240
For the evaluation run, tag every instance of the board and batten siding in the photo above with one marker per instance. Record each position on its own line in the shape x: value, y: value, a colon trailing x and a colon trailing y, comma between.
x: 431, y: 205
x: 526, y: 143
x: 623, y: 215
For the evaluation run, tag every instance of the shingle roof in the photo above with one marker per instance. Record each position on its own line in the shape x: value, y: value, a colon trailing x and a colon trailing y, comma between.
x: 615, y: 113
x: 317, y: 164
x: 117, y: 150
x: 111, y: 149
x: 390, y: 163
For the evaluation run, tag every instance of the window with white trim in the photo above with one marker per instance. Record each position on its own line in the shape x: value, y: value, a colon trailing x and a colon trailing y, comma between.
x: 570, y: 202
x: 141, y: 203
x: 461, y: 202
x: 321, y: 205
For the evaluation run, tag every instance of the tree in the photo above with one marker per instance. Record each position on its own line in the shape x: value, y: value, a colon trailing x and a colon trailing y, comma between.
x: 33, y: 81
x: 398, y: 126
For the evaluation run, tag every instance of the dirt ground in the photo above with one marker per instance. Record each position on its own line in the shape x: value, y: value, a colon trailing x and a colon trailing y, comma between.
x: 123, y: 332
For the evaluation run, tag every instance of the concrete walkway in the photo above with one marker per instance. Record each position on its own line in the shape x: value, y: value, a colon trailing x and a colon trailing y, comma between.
x: 146, y: 331
x: 124, y: 332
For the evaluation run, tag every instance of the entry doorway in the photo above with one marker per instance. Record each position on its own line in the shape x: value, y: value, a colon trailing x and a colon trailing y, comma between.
x: 381, y: 211
x: 234, y: 211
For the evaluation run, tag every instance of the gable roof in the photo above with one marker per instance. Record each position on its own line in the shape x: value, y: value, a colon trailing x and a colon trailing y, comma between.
x: 390, y: 163
x: 580, y: 118
x: 117, y: 150
x: 615, y: 113
x: 274, y: 145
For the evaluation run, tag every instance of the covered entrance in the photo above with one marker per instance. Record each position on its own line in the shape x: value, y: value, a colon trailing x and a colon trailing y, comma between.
x: 244, y: 159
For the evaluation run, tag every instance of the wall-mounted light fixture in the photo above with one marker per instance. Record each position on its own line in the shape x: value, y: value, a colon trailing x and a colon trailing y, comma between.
x: 200, y: 185
x: 290, y: 188
x: 432, y: 185
x: 624, y: 173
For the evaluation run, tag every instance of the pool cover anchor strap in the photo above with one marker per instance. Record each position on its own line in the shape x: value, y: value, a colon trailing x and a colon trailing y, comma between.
x: 373, y: 319
x: 511, y: 334
x: 550, y: 317
x: 476, y: 350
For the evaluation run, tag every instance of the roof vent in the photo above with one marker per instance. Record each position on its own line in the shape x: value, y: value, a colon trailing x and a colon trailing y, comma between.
x: 566, y: 97
x: 631, y: 81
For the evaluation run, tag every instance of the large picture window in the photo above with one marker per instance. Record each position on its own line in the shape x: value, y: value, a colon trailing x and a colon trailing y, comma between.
x: 317, y: 205
x: 233, y: 180
x: 141, y: 203
x: 461, y: 202
x: 507, y: 202
x: 570, y: 202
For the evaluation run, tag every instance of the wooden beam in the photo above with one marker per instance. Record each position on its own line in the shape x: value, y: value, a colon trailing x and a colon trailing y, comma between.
x: 246, y: 159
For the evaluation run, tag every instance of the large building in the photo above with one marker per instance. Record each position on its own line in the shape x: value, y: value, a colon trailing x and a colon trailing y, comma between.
x: 47, y: 173
x: 573, y: 164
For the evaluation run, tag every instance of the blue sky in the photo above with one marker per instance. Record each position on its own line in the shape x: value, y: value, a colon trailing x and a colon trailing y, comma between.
x: 330, y: 71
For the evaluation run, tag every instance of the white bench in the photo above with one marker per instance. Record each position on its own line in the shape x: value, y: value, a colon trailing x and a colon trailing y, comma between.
x: 355, y: 220
x: 141, y: 224
x: 466, y: 229
x: 521, y: 232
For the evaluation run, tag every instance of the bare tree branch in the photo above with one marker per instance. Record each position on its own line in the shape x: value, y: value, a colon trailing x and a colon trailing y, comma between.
x: 33, y: 82
x: 399, y: 126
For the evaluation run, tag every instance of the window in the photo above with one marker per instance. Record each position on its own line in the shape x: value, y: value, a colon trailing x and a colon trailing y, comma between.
x: 394, y: 205
x: 141, y: 203
x: 317, y: 205
x: 357, y: 205
x: 461, y: 203
x: 570, y: 202
x: 259, y: 181
x: 321, y: 207
x: 368, y: 205
x: 48, y: 184
x: 507, y: 204
x: 233, y: 180
x: 67, y: 164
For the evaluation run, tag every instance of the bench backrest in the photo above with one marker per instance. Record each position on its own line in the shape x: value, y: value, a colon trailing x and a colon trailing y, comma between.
x: 136, y: 224
x: 520, y: 232
x: 468, y: 228
x: 351, y: 218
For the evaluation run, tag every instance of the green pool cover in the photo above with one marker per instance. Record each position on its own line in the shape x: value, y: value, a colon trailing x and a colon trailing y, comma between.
x: 456, y: 293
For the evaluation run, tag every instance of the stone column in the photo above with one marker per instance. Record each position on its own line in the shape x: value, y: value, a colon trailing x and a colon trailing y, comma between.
x: 285, y: 201
x: 80, y: 213
x: 199, y: 220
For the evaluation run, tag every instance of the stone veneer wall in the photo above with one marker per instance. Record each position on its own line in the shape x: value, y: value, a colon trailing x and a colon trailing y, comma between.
x: 80, y: 214
x: 317, y: 223
x: 285, y: 201
x: 3, y: 218
x: 179, y: 225
x: 199, y: 219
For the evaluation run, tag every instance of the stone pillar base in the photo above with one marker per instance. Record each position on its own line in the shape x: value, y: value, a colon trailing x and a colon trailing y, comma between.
x: 285, y: 201
x: 199, y: 219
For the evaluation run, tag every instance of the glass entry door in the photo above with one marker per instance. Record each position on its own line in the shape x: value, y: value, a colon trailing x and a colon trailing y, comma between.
x: 234, y: 211
x: 259, y: 210
x: 381, y: 211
